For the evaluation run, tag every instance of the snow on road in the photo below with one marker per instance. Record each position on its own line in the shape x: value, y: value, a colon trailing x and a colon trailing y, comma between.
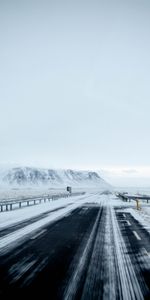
x: 142, y: 216
x: 10, y: 218
x: 110, y: 260
x: 56, y: 210
x: 110, y: 271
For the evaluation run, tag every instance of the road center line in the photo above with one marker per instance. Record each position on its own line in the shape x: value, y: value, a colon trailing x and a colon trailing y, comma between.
x: 128, y: 223
x: 38, y: 234
x: 147, y: 253
x: 137, y: 236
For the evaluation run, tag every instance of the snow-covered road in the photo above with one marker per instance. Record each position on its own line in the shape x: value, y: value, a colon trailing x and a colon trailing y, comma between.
x: 88, y: 247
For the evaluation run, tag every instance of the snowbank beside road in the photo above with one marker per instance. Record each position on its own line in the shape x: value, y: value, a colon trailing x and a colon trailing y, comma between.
x: 12, y: 217
x: 142, y: 216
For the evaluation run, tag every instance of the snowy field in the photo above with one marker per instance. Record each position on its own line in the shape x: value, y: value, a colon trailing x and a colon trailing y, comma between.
x: 134, y: 190
x: 21, y: 193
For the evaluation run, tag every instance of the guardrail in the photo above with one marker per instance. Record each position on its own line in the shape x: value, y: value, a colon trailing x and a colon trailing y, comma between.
x: 126, y: 197
x: 16, y: 204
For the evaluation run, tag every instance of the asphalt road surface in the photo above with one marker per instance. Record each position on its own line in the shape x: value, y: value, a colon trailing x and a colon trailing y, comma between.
x: 95, y: 252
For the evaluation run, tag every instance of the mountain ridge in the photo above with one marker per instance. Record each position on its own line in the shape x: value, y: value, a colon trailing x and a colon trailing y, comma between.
x: 32, y: 176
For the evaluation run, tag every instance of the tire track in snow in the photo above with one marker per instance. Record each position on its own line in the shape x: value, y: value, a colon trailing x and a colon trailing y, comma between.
x: 104, y: 269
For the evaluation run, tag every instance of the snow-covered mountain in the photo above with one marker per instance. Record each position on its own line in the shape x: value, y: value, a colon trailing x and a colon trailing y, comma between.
x: 26, y: 176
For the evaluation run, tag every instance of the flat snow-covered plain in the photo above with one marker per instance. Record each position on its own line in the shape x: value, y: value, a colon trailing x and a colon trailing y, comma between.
x: 20, y: 193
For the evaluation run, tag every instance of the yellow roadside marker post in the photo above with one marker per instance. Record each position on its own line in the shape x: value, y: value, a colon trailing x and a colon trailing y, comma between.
x: 137, y: 204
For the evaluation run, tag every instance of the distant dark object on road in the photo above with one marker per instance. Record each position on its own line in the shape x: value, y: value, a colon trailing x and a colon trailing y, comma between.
x: 69, y: 189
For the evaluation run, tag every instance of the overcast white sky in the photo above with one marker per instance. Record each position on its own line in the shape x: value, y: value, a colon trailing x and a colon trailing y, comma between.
x: 75, y: 85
